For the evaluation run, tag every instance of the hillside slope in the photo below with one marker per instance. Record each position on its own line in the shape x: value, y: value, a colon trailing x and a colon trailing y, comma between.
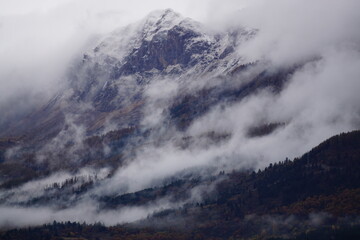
x: 315, y: 196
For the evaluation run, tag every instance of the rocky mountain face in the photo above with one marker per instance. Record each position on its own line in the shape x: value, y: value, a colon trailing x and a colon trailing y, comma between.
x: 107, y: 89
x: 112, y: 76
x: 140, y: 87
x: 163, y: 45
x: 108, y: 110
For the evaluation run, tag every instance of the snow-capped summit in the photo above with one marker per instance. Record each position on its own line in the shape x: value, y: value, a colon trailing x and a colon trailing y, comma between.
x: 160, y: 22
x: 163, y: 43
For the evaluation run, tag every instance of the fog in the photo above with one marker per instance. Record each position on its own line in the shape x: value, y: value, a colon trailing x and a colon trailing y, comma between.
x: 82, y: 212
x: 39, y: 41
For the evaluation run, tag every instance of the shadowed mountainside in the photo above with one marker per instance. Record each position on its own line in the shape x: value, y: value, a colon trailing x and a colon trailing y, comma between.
x: 315, y: 196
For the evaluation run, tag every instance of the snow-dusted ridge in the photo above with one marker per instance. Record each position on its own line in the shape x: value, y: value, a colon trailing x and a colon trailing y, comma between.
x: 190, y: 42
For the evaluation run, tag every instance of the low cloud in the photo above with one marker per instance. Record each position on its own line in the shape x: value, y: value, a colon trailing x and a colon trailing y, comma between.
x: 82, y: 212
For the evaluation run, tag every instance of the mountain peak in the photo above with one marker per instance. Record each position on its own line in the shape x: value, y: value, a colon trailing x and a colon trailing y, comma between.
x: 161, y: 21
x: 164, y: 42
x: 164, y: 14
x: 164, y: 38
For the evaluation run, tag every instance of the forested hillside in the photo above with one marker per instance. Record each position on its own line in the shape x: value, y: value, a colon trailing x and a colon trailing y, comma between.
x: 315, y: 196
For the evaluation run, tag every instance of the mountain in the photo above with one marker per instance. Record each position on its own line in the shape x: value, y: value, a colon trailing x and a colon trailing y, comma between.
x: 166, y: 130
x: 116, y: 70
x: 106, y: 102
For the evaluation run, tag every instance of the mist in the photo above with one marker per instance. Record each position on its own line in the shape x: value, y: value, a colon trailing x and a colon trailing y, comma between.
x: 319, y: 100
x: 83, y: 212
